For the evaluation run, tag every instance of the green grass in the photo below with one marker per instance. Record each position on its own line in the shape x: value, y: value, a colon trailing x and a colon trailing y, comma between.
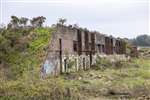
x: 81, y: 85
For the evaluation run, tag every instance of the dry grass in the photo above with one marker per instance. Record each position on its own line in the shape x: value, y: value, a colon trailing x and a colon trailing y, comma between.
x: 131, y: 81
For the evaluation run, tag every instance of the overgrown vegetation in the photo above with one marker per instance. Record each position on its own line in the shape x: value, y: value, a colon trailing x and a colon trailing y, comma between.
x: 22, y: 51
x: 130, y: 80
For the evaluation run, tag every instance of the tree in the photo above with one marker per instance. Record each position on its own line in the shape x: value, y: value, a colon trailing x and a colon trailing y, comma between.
x: 23, y: 21
x: 76, y: 25
x: 9, y: 26
x: 62, y: 21
x: 14, y: 21
x: 38, y: 21
x: 142, y: 40
x: 2, y: 28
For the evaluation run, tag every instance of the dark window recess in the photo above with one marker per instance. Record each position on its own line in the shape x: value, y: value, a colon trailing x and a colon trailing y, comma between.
x: 111, y: 41
x: 65, y: 65
x: 84, y: 64
x: 86, y: 38
x: 117, y: 47
x: 99, y: 47
x: 79, y: 37
x: 90, y: 45
x: 75, y: 46
x: 60, y: 54
x: 111, y: 47
x: 93, y: 43
x: 103, y: 48
x: 106, y: 45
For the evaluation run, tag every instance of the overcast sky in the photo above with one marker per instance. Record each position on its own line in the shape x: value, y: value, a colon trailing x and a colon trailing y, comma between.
x: 120, y: 18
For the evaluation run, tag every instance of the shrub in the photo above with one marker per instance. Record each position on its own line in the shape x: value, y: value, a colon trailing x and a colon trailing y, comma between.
x: 102, y: 63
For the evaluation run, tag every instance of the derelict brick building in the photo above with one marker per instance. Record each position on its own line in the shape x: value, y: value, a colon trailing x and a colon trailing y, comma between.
x: 79, y: 46
x: 78, y: 41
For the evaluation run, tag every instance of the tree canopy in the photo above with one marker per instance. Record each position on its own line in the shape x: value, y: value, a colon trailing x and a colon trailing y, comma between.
x: 141, y: 40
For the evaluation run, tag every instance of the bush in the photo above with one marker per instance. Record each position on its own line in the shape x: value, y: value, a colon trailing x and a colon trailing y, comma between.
x: 23, y: 51
x: 102, y: 63
x: 30, y: 86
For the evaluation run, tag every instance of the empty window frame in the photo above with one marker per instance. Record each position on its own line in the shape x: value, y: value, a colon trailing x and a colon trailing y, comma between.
x: 75, y: 46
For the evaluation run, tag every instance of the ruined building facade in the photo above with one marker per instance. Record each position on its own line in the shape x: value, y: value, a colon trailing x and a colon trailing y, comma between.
x: 77, y: 48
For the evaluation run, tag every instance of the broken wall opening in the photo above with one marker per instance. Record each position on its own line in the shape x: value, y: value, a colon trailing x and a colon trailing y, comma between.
x: 86, y: 38
x: 75, y: 46
x: 93, y: 43
x: 79, y: 39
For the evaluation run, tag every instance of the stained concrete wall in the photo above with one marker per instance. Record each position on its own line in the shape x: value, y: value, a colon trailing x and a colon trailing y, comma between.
x: 72, y: 63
